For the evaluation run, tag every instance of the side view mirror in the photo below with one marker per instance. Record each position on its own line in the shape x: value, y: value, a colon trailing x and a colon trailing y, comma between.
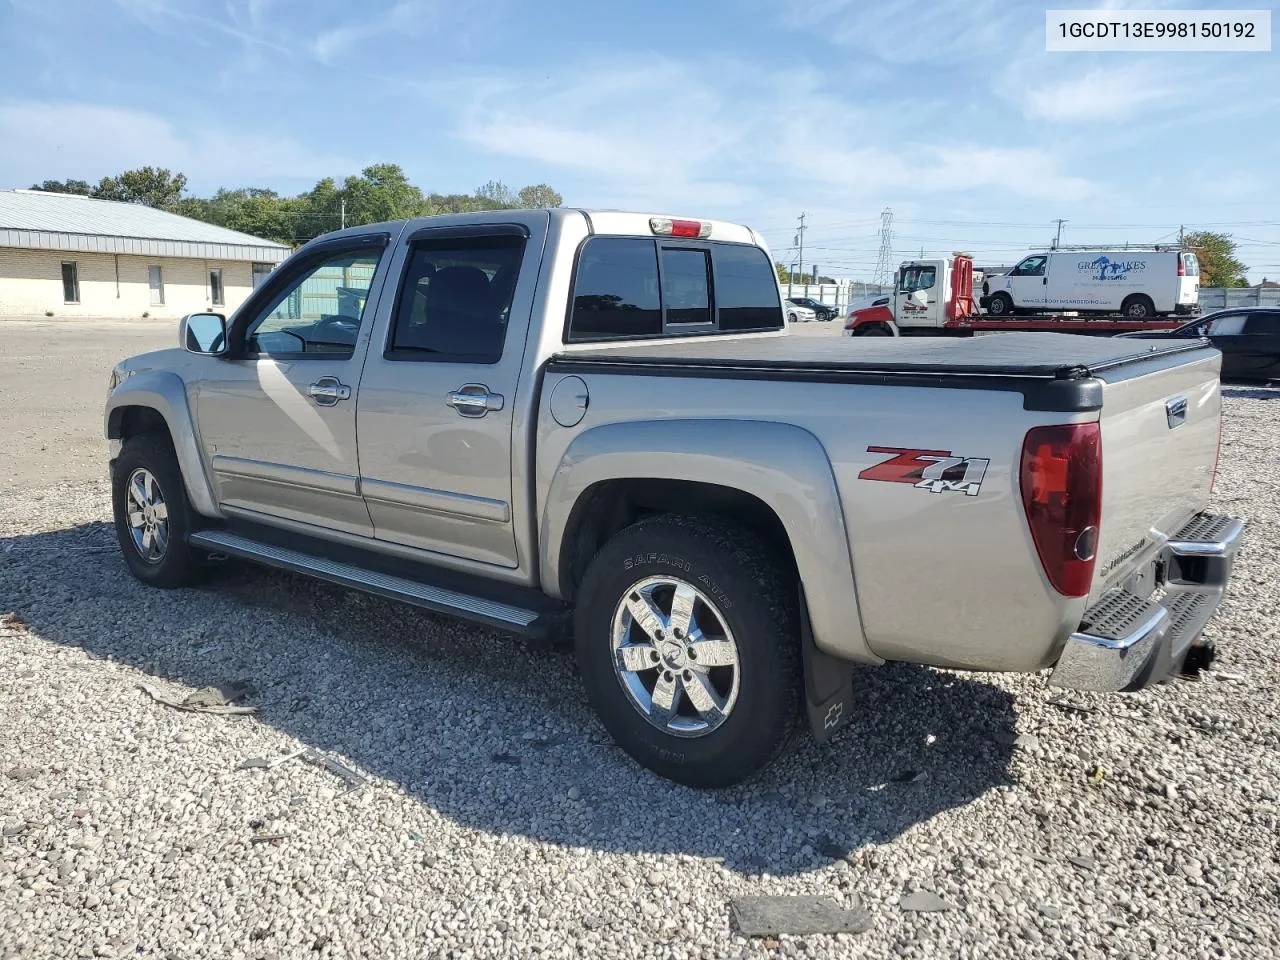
x: 204, y: 333
x: 920, y: 297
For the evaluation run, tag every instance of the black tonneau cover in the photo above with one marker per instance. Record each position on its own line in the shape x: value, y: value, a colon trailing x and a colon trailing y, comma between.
x: 1053, y: 371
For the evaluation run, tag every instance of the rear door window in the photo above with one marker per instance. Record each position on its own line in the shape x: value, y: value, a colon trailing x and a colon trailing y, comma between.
x: 1190, y: 265
x: 620, y: 292
x: 455, y: 300
x: 1262, y: 325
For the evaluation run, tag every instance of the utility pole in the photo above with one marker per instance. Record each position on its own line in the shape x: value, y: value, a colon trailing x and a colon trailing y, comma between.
x: 884, y: 263
x: 1181, y: 230
x: 342, y: 207
x: 800, y: 244
x: 1058, y: 239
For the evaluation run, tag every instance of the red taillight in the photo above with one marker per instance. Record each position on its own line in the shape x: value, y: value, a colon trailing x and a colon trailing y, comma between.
x: 1182, y: 266
x: 666, y: 227
x: 1062, y: 494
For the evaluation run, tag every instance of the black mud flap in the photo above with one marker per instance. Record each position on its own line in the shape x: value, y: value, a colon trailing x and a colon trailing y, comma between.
x: 828, y: 683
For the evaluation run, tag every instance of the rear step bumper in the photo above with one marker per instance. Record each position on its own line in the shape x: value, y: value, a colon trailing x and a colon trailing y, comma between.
x: 1126, y: 642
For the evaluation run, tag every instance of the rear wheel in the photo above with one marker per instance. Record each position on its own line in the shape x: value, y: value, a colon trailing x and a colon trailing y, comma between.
x: 152, y: 515
x: 1138, y: 307
x: 687, y: 640
x: 1000, y: 305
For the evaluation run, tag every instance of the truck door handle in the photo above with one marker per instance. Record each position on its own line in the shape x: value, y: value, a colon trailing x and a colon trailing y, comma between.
x: 1045, y: 280
x: 474, y: 400
x: 327, y: 391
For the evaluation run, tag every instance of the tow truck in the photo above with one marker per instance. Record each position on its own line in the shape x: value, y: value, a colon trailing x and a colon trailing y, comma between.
x: 934, y: 298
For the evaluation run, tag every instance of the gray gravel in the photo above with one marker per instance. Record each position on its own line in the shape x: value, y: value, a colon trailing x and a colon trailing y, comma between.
x: 498, y: 821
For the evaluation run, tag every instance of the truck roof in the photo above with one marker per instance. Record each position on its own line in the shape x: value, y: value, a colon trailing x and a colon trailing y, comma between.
x: 599, y: 220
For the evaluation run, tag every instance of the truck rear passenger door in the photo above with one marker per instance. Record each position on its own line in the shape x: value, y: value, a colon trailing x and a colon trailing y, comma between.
x: 434, y: 419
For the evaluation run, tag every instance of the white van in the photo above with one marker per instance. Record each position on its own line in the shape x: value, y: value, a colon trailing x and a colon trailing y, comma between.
x: 1136, y: 283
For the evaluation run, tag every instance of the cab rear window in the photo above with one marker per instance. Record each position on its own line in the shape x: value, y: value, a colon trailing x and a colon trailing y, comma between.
x: 636, y: 287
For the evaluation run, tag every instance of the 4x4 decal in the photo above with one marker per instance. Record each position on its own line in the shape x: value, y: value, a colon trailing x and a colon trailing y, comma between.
x: 932, y: 470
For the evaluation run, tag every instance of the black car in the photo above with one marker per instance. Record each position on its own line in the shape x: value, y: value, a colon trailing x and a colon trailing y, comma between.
x: 1249, y: 338
x: 824, y: 311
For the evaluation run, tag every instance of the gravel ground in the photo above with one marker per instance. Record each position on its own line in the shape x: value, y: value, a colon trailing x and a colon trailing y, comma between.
x: 497, y: 820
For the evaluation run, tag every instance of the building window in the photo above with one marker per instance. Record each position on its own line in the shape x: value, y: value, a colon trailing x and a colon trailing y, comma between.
x: 260, y: 273
x: 155, y: 277
x: 70, y: 283
x: 215, y: 286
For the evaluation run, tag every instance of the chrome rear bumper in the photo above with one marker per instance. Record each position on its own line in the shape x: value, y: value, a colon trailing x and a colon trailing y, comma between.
x: 1126, y: 642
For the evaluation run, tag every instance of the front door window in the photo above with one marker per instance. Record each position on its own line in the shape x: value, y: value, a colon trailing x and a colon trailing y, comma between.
x: 319, y: 313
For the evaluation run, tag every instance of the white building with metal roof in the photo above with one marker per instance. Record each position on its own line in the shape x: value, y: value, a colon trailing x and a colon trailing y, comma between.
x: 64, y: 255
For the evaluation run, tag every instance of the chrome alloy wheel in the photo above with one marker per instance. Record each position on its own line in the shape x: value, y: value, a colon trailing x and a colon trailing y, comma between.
x: 148, y: 515
x: 675, y: 656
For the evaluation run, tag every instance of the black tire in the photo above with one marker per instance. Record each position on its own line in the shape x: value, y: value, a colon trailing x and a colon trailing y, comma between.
x: 791, y: 318
x: 177, y: 565
x: 756, y: 601
x: 1138, y: 307
x: 1000, y: 304
x: 873, y: 330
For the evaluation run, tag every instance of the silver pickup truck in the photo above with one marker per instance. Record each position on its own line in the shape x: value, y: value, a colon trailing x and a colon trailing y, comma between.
x: 595, y: 421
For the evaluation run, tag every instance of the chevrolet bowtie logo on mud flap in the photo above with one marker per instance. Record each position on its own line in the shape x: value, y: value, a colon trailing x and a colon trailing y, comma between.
x: 932, y: 470
x: 834, y: 714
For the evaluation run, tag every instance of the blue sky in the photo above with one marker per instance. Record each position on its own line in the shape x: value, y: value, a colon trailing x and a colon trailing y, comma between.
x: 951, y: 113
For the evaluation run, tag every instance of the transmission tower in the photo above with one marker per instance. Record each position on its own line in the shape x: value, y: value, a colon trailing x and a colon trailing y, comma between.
x: 884, y: 265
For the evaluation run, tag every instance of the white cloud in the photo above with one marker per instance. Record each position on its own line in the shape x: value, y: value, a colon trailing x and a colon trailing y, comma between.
x: 40, y: 140
x: 1101, y: 95
x: 662, y: 130
x: 918, y: 31
x: 405, y: 18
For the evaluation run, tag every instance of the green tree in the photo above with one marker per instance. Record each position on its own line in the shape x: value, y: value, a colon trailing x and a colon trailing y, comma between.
x: 381, y: 192
x: 786, y: 276
x: 150, y: 186
x: 496, y: 195
x: 253, y: 210
x: 1217, y: 255
x: 538, y: 196
x: 319, y: 210
x: 80, y: 187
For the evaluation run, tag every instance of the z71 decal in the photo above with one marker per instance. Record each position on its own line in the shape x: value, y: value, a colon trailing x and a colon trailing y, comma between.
x: 932, y: 470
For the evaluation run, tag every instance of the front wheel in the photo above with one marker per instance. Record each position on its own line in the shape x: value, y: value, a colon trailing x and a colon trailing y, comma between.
x: 687, y: 637
x: 1000, y: 305
x: 152, y: 515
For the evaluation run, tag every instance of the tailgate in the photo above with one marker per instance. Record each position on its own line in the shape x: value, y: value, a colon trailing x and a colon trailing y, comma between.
x: 1160, y: 431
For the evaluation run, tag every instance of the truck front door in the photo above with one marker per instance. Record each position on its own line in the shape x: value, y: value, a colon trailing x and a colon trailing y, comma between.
x: 277, y: 417
x: 438, y: 398
x: 1028, y: 283
x: 919, y: 297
